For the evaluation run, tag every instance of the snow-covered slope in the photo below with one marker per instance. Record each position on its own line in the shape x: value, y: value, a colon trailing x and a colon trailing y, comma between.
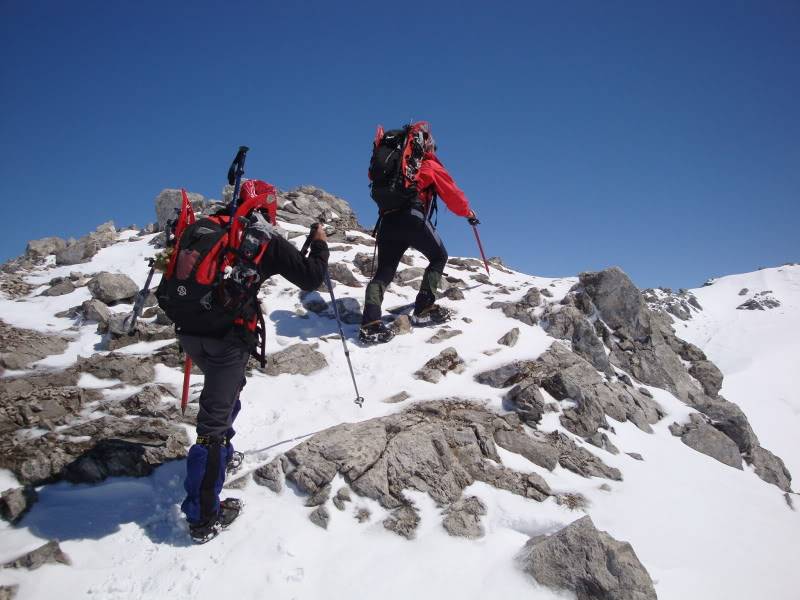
x: 702, y: 530
x: 757, y: 350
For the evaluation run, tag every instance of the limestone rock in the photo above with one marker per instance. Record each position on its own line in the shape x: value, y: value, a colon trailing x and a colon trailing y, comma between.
x: 49, y: 553
x: 77, y: 252
x: 297, y: 359
x: 440, y: 365
x: 709, y: 376
x: 270, y: 475
x: 339, y: 272
x: 45, y: 246
x: 320, y: 517
x: 569, y: 323
x: 14, y: 503
x: 510, y: 339
x: 443, y: 334
x: 403, y: 521
x: 130, y: 369
x: 587, y: 562
x: 60, y: 288
x: 168, y: 203
x: 95, y: 310
x: 21, y: 347
x: 112, y: 287
x: 462, y: 518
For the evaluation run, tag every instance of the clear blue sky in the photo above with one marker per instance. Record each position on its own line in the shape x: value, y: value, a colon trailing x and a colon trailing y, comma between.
x: 661, y: 137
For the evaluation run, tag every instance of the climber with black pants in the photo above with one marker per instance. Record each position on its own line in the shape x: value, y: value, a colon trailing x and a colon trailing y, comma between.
x: 406, y: 178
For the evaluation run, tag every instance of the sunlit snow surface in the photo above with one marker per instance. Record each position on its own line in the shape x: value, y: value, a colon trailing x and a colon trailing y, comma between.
x: 703, y: 530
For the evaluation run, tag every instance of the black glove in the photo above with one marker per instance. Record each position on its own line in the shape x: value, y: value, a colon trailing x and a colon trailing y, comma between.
x: 473, y: 220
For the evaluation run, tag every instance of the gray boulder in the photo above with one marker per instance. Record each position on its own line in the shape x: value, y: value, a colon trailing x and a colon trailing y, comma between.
x: 168, y: 203
x: 523, y: 310
x: 403, y: 521
x: 95, y: 310
x: 442, y: 335
x: 339, y: 272
x: 320, y: 517
x: 112, y: 287
x: 569, y: 323
x: 510, y: 339
x: 61, y: 288
x: 709, y: 376
x: 297, y: 359
x: 270, y: 475
x: 136, y: 370
x: 587, y: 562
x: 701, y: 436
x: 44, y: 247
x: 77, y: 252
x: 14, y: 503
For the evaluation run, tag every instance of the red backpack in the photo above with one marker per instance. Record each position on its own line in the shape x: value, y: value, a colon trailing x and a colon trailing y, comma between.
x: 212, y: 279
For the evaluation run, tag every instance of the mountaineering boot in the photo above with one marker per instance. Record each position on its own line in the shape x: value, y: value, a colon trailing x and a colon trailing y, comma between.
x: 375, y: 333
x: 431, y: 315
x: 229, y: 509
x: 235, y: 462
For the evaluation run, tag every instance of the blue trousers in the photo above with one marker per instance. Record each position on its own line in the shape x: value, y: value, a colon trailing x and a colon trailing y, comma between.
x: 223, y: 362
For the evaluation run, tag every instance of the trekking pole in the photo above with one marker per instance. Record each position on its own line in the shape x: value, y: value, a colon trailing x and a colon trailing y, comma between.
x: 235, y: 173
x: 359, y: 398
x: 141, y: 297
x: 474, y: 222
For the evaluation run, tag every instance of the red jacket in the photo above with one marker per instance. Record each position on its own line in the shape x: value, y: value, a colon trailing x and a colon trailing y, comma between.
x: 433, y: 176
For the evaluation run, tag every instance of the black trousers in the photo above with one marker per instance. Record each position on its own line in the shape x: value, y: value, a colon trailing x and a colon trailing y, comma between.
x: 398, y: 232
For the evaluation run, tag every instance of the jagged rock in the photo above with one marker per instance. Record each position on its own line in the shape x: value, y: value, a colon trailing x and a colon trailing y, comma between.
x: 339, y: 272
x: 362, y: 515
x: 77, y: 252
x: 13, y: 285
x: 49, y: 553
x: 307, y: 204
x: 565, y: 375
x: 8, y: 592
x: 270, y: 475
x: 463, y: 518
x: 510, y: 339
x: 95, y: 310
x: 523, y: 310
x: 587, y: 562
x: 527, y: 400
x: 546, y: 293
x: 44, y: 247
x: 770, y: 468
x: 136, y: 370
x: 117, y: 326
x: 440, y: 365
x: 60, y: 288
x: 536, y: 449
x: 112, y: 287
x: 701, y: 436
x: 437, y: 447
x: 168, y: 203
x: 601, y: 440
x: 453, y: 293
x: 759, y: 304
x: 466, y: 264
x: 443, y: 334
x: 38, y: 407
x: 320, y: 517
x: 401, y: 325
x: 569, y: 323
x: 342, y: 496
x: 297, y: 359
x: 403, y: 521
x: 152, y: 401
x: 14, y: 503
x: 21, y: 347
x: 709, y: 376
x: 635, y: 455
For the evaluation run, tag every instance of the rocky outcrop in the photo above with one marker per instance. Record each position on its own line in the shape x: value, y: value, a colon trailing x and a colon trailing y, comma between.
x: 569, y: 323
x: 681, y: 305
x: 463, y: 518
x: 701, y: 436
x: 643, y: 344
x: 136, y: 370
x: 21, y: 347
x: 86, y: 247
x: 44, y: 247
x: 437, y: 447
x: 761, y: 301
x: 567, y: 376
x: 522, y: 310
x: 168, y: 204
x: 588, y: 562
x: 341, y: 273
x: 510, y: 338
x: 307, y: 205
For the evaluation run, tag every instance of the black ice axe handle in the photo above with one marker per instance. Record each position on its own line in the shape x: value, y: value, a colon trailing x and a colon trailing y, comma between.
x: 237, y: 166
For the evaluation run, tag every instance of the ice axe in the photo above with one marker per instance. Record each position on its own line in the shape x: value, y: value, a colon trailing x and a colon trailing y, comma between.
x: 359, y: 398
x: 474, y: 222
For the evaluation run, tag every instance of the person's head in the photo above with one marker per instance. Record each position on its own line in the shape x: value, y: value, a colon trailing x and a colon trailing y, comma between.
x: 422, y: 130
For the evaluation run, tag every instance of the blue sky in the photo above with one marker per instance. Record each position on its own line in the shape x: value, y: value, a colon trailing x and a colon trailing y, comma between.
x: 660, y: 137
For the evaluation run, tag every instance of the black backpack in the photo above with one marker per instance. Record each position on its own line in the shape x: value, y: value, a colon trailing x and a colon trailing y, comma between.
x: 391, y: 189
